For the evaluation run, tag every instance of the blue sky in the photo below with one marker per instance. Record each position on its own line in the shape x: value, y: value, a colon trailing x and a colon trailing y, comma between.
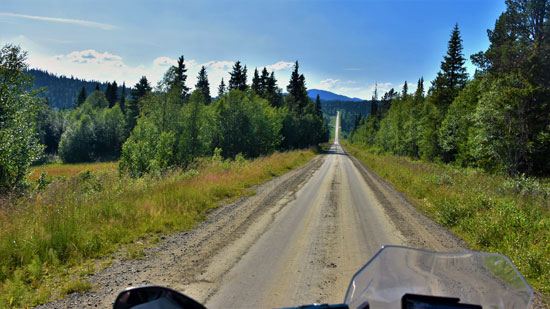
x: 343, y: 46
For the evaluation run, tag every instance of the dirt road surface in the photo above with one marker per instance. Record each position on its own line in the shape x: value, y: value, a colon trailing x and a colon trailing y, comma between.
x: 297, y: 241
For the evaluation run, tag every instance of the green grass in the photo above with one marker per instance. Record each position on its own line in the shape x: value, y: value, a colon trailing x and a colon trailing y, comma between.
x: 60, y: 231
x: 69, y: 170
x: 490, y: 212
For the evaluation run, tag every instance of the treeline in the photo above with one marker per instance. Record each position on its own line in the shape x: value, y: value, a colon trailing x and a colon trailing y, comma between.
x: 152, y: 129
x: 173, y: 128
x: 499, y: 120
x: 62, y: 91
x: 350, y: 111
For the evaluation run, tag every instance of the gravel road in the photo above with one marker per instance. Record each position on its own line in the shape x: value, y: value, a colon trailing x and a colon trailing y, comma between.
x: 299, y: 240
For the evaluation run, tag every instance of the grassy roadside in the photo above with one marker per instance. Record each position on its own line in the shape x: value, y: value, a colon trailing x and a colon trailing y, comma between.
x: 490, y: 212
x: 45, y: 240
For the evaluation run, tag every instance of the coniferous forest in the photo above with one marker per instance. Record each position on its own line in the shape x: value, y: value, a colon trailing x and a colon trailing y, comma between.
x: 498, y: 119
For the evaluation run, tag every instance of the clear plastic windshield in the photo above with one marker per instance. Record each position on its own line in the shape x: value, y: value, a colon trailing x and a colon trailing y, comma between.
x: 485, y: 279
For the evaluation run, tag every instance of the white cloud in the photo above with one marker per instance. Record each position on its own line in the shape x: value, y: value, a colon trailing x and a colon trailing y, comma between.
x: 80, y: 22
x: 329, y: 83
x: 219, y: 65
x: 165, y: 62
x: 280, y: 66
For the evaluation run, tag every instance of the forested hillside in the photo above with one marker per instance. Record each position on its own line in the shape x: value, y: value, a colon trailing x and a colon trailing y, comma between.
x: 329, y: 96
x: 350, y: 112
x: 499, y: 120
x: 62, y: 91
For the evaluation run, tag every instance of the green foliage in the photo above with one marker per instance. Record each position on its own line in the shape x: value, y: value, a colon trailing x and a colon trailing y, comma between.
x: 97, y: 100
x: 77, y: 141
x: 500, y: 122
x: 246, y: 124
x: 456, y: 129
x: 19, y: 145
x: 147, y: 150
x: 50, y: 126
x: 93, y: 133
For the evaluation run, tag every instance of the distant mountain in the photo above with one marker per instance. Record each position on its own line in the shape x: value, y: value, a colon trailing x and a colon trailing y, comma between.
x: 61, y: 90
x: 329, y: 96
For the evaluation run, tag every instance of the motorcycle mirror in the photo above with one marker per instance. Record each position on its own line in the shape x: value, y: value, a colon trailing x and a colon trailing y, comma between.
x: 152, y: 297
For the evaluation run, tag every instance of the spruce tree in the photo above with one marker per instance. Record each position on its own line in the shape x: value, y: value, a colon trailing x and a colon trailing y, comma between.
x: 419, y: 93
x: 96, y: 87
x: 81, y: 97
x: 221, y: 89
x: 181, y: 77
x: 238, y: 77
x: 264, y: 79
x: 108, y: 90
x: 112, y: 93
x: 140, y: 90
x: 297, y: 90
x: 405, y: 91
x: 318, y: 107
x: 203, y: 85
x: 271, y: 92
x: 374, y: 102
x: 270, y: 85
x: 453, y: 76
x: 123, y: 98
x: 257, y: 83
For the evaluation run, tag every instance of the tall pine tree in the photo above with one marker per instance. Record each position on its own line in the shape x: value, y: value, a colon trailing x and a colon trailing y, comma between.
x: 123, y: 98
x: 264, y: 80
x: 181, y: 77
x: 257, y: 86
x: 419, y: 93
x: 221, y: 89
x: 203, y: 85
x: 111, y: 93
x: 453, y: 76
x: 318, y: 107
x: 140, y: 90
x: 374, y: 102
x: 238, y: 77
x: 81, y: 97
x: 297, y: 91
